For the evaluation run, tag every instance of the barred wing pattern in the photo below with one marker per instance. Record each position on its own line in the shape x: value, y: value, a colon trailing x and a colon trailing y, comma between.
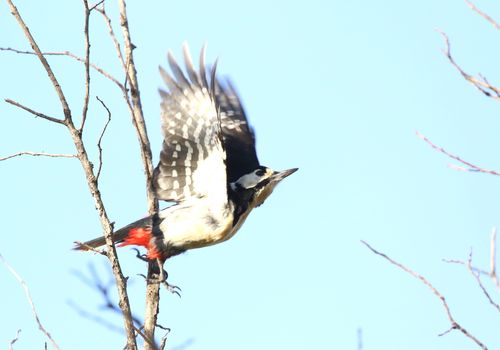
x: 192, y: 160
x: 239, y: 138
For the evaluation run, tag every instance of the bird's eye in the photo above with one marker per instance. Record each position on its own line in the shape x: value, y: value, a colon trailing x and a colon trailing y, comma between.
x: 260, y: 172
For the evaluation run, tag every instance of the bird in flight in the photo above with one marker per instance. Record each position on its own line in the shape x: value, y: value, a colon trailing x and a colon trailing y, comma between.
x: 208, y: 166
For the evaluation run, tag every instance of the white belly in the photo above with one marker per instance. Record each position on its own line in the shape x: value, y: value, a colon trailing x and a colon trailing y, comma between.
x: 194, y: 224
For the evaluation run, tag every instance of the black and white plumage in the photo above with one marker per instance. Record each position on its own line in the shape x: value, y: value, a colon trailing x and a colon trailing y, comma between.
x: 208, y: 166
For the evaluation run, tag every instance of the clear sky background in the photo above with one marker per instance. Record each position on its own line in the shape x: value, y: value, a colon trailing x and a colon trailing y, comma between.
x: 336, y: 88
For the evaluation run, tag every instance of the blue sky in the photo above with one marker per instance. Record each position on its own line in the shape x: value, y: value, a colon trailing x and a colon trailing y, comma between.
x: 335, y: 88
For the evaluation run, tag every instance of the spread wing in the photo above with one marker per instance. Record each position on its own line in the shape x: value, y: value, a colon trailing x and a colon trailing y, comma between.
x: 239, y: 138
x: 192, y: 160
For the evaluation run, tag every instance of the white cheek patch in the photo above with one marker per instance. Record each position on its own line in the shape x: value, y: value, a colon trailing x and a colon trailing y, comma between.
x: 251, y: 180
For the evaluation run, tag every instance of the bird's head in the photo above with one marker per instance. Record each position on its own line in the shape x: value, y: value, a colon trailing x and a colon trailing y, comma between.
x: 261, y: 182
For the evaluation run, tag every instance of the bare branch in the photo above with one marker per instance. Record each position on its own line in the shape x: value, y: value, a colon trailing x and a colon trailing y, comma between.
x: 483, y: 86
x: 38, y: 114
x: 86, y: 64
x: 73, y: 56
x: 471, y: 167
x: 478, y: 280
x: 461, y: 262
x: 454, y: 324
x: 96, y: 5
x: 112, y: 35
x: 30, y: 301
x: 87, y: 166
x: 483, y: 14
x: 34, y: 46
x: 101, y: 136
x: 16, y: 338
x: 38, y: 154
x: 152, y: 289
x: 86, y: 247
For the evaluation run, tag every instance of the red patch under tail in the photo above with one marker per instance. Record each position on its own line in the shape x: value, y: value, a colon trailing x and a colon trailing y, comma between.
x: 142, y: 237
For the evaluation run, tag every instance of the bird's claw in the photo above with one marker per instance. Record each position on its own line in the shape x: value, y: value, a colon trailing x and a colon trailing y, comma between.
x: 162, y: 279
x: 172, y: 289
x: 140, y: 256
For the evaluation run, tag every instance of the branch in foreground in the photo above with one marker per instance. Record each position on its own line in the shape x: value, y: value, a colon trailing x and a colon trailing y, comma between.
x: 30, y: 301
x: 454, y: 324
x: 38, y: 154
x: 482, y: 85
x: 87, y: 166
x: 152, y: 289
x: 470, y: 167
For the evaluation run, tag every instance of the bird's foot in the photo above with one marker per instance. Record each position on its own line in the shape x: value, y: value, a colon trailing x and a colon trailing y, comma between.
x: 140, y: 256
x: 162, y: 279
x: 170, y: 287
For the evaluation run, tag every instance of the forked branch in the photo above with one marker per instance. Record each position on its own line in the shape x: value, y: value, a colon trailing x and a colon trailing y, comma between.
x: 469, y: 166
x: 87, y: 166
x: 481, y: 84
x: 454, y: 324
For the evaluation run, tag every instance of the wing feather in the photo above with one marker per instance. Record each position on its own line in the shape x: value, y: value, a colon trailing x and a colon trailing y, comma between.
x: 239, y: 137
x: 192, y: 160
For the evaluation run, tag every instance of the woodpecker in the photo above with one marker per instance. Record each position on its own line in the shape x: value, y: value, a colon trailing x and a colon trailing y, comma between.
x: 208, y: 166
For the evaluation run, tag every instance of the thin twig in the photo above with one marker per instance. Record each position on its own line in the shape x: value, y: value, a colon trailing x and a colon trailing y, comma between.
x: 101, y: 136
x: 34, y: 46
x: 86, y: 64
x: 461, y: 262
x: 73, y: 56
x: 483, y: 86
x: 138, y: 115
x: 30, y: 301
x: 478, y: 280
x: 96, y: 5
x: 16, y: 338
x: 38, y: 114
x: 38, y: 154
x: 471, y: 167
x: 454, y: 324
x: 164, y: 339
x: 483, y: 14
x: 112, y: 35
x: 80, y: 245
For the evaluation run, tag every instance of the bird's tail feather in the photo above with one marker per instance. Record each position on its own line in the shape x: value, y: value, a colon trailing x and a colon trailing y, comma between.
x: 120, y: 235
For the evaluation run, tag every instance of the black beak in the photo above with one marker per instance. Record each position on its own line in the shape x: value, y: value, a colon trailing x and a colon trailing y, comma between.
x: 280, y: 175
